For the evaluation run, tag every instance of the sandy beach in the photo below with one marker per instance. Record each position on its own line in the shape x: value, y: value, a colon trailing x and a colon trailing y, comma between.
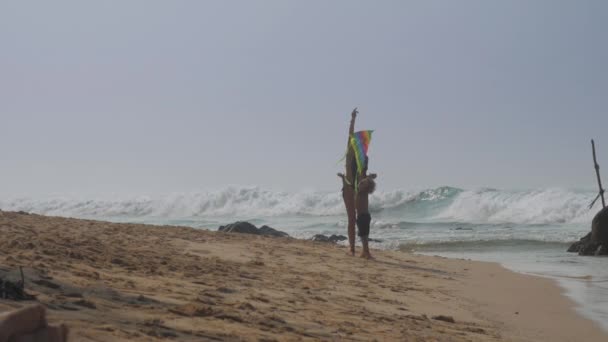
x: 132, y: 282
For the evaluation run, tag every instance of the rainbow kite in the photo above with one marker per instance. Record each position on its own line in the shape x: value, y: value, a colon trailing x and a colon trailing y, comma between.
x: 359, y: 141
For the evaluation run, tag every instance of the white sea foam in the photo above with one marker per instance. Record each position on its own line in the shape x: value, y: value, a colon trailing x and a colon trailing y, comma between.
x: 547, y: 206
x: 445, y: 204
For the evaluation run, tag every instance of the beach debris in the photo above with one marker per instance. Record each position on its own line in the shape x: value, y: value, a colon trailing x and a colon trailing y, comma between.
x: 422, y: 317
x: 85, y: 303
x: 46, y: 283
x: 599, y: 179
x: 443, y: 318
x: 475, y: 330
x: 225, y: 290
x: 157, y: 328
x: 247, y: 306
x: 14, y: 290
x: 229, y: 317
x: 248, y: 228
x: 193, y: 310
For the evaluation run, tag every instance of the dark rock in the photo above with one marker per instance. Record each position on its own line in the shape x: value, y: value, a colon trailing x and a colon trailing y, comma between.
x: 248, y: 228
x: 589, y: 249
x: 267, y: 231
x: 332, y: 239
x: 599, y: 227
x: 578, y: 245
x: 336, y: 238
x: 239, y: 227
x: 596, y: 242
x: 320, y: 238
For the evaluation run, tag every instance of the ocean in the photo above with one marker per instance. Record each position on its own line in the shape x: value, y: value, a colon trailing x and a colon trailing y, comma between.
x: 525, y: 231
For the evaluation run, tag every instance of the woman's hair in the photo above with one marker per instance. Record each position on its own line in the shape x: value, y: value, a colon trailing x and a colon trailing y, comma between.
x: 368, y: 184
x: 372, y: 185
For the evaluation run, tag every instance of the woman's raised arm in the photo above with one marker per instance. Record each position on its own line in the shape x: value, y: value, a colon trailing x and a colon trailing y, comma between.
x: 353, y: 116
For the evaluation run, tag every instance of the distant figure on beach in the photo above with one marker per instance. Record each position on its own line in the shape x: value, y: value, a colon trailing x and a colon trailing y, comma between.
x: 356, y: 186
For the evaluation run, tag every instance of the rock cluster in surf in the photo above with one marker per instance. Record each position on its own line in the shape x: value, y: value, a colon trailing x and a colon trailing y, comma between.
x: 248, y: 228
x: 333, y: 239
x: 596, y: 242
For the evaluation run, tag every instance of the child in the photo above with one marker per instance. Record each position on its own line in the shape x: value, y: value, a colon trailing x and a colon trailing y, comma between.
x: 367, y: 185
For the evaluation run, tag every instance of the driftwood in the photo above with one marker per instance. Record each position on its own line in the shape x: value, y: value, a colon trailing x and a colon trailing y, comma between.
x: 14, y: 290
x: 599, y: 179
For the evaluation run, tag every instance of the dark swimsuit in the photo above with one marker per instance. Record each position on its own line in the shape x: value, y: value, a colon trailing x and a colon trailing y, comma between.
x: 363, y: 221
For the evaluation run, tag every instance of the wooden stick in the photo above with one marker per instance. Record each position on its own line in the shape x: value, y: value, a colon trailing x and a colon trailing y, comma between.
x: 597, y: 172
x: 22, y: 278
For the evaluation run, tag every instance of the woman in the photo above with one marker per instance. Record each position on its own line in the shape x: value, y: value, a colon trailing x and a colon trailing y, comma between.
x: 348, y: 184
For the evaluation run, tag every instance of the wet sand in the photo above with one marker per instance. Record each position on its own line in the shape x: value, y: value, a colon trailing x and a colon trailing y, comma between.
x: 133, y: 282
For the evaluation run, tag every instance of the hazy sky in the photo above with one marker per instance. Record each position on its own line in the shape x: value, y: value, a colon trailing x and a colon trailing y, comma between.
x: 162, y: 96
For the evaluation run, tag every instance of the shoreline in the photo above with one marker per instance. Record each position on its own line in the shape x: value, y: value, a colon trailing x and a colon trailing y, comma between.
x: 576, y: 276
x: 121, y: 281
x: 542, y: 310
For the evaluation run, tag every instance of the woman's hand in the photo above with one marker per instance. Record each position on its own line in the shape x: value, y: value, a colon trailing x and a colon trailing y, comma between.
x: 354, y: 113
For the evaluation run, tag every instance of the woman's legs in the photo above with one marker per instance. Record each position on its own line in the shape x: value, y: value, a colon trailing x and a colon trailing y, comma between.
x: 348, y: 194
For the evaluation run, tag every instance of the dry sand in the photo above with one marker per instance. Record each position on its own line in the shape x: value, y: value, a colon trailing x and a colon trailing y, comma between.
x: 131, y: 282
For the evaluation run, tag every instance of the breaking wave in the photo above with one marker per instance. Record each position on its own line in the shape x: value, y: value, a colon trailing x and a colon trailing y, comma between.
x: 444, y: 204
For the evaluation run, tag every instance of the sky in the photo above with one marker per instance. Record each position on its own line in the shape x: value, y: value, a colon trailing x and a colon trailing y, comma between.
x: 146, y: 96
